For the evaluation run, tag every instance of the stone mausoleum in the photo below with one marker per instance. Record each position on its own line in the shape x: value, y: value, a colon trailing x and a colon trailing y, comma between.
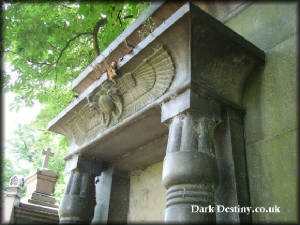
x: 200, y: 112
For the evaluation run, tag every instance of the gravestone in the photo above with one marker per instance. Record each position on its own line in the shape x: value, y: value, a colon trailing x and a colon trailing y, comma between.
x: 39, y: 204
x: 40, y: 184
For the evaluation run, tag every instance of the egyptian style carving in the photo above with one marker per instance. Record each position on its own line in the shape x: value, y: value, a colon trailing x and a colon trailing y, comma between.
x: 107, y: 102
x: 112, y: 102
x: 78, y: 202
x: 190, y: 169
x: 147, y: 82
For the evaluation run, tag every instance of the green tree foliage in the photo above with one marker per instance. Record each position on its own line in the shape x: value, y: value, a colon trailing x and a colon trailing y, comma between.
x: 48, y: 45
x: 11, y: 170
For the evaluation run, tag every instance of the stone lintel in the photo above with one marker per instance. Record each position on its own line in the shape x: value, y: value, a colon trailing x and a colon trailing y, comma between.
x: 84, y: 164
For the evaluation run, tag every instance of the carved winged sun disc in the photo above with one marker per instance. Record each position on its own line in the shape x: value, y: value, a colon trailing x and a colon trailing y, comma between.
x: 133, y: 90
x: 147, y: 82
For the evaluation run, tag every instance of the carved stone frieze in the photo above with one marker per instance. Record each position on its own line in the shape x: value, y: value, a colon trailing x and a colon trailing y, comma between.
x: 106, y: 102
x: 112, y: 102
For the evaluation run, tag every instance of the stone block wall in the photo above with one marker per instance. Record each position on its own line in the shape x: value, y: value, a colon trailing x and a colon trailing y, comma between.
x: 147, y: 195
x: 271, y: 122
x: 271, y: 103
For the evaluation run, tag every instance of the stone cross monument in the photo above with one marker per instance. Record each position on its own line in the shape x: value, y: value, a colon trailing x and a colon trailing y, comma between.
x: 39, y: 204
x: 47, y: 154
x: 40, y: 185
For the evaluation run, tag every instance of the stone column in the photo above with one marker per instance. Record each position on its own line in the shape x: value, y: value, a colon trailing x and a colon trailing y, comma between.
x: 103, y: 191
x: 78, y: 202
x: 190, y: 169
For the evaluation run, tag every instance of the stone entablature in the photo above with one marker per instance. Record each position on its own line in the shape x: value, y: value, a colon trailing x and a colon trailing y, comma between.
x: 110, y: 103
x: 78, y: 110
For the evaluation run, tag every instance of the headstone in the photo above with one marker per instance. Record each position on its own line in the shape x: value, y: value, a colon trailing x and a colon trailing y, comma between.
x: 40, y: 185
x: 39, y: 204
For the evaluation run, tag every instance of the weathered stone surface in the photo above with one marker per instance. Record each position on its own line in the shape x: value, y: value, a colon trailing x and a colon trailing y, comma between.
x: 158, y: 12
x: 271, y: 96
x: 12, y: 199
x: 111, y: 103
x: 176, y: 29
x: 84, y: 164
x: 41, y: 184
x: 38, y: 206
x: 147, y: 195
x: 42, y: 181
x: 35, y: 214
x: 103, y: 185
x: 221, y: 60
x: 233, y: 187
x: 119, y: 202
x: 271, y: 101
x: 190, y: 172
x: 43, y: 199
x: 218, y: 73
x: 266, y: 24
x: 273, y: 177
x: 77, y: 205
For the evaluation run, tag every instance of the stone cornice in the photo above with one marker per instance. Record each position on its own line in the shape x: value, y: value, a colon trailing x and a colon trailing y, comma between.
x: 203, y: 54
x: 158, y: 12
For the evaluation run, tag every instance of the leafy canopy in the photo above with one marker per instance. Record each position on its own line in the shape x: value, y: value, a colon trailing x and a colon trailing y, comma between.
x: 48, y: 45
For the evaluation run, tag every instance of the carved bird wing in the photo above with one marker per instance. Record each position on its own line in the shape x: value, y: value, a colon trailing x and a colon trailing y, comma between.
x: 147, y: 82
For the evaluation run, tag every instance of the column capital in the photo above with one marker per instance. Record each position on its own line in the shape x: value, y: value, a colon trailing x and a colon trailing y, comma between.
x: 190, y: 170
x: 84, y: 164
x: 193, y: 102
x: 77, y: 205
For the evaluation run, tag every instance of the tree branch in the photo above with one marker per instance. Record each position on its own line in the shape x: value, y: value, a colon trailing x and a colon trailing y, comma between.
x: 99, y: 24
x: 28, y: 60
x: 56, y: 48
x: 119, y: 17
x: 60, y: 54
x: 128, y: 17
x: 67, y: 45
